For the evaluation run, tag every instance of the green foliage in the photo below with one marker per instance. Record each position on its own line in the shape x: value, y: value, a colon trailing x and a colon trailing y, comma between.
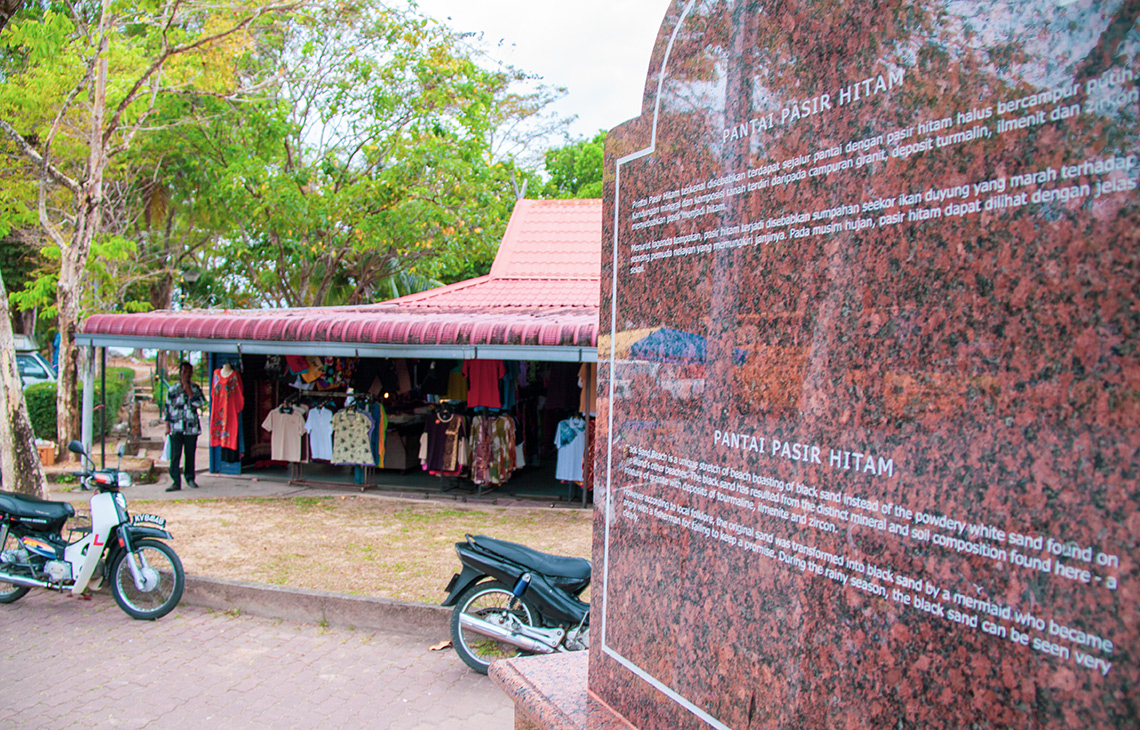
x: 41, y: 402
x: 576, y: 169
x: 40, y: 399
x: 371, y: 178
x: 50, y: 55
x: 109, y: 290
x: 18, y: 263
x: 349, y: 153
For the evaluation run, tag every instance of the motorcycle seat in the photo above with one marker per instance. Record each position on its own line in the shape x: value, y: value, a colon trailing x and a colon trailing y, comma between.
x: 539, y: 562
x: 35, y: 510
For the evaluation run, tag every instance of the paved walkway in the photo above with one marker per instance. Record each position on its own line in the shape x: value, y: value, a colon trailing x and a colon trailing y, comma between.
x: 67, y: 663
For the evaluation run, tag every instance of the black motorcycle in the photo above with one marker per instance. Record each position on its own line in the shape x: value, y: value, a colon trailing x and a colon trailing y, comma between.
x: 510, y: 600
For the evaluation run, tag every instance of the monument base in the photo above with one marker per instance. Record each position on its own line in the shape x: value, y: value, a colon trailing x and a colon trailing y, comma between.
x: 550, y: 693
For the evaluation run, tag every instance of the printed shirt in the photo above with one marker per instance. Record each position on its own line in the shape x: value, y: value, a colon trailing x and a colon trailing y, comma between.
x: 351, y: 438
x: 182, y: 409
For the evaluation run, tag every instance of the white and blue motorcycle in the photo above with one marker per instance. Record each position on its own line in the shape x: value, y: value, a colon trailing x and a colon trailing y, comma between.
x: 146, y: 575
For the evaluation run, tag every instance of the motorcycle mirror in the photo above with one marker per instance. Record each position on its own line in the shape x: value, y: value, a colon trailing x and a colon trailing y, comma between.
x: 75, y: 447
x: 122, y: 450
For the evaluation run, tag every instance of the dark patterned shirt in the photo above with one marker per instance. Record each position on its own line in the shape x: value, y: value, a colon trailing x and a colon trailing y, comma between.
x: 182, y: 410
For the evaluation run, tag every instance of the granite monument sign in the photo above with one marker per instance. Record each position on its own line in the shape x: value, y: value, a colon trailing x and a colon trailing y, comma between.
x: 870, y: 388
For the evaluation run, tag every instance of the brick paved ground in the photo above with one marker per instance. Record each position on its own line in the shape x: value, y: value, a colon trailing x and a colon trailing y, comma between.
x: 66, y: 663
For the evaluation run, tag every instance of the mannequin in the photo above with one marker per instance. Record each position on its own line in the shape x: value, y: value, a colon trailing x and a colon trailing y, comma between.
x: 227, y: 401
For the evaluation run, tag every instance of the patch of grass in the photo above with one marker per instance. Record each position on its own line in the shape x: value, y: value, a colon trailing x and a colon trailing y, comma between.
x: 312, y: 503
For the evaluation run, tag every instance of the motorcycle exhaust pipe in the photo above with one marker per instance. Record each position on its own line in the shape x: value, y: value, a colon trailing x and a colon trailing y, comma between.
x: 506, y: 636
x: 23, y: 582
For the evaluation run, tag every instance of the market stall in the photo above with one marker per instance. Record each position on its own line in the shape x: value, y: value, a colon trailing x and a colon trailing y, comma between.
x: 471, y: 381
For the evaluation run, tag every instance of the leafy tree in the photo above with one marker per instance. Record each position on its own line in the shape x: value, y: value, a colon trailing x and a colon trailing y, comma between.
x: 358, y: 176
x: 575, y: 170
x: 81, y: 82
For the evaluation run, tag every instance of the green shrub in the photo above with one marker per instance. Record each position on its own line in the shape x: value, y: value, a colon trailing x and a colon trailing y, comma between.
x: 41, y: 402
x: 41, y: 409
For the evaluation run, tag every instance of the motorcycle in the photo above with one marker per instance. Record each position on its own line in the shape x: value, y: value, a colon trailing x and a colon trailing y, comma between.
x: 146, y: 574
x: 510, y: 599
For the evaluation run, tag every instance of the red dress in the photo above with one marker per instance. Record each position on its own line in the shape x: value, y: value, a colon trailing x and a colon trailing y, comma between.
x: 226, y: 401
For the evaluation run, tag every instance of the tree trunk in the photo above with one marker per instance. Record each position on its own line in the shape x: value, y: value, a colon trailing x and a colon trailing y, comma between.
x: 8, y: 8
x: 20, y: 468
x: 88, y: 208
x: 67, y: 390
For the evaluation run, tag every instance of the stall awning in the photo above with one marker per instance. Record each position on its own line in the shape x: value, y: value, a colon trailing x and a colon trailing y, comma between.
x: 540, y: 302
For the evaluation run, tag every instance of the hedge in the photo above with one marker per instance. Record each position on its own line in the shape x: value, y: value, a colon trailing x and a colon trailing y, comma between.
x: 41, y: 402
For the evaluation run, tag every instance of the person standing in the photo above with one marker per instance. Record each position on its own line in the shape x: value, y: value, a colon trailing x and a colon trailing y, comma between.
x: 182, y: 425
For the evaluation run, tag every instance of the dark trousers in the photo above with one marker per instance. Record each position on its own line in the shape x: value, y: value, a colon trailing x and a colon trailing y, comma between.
x: 180, y: 443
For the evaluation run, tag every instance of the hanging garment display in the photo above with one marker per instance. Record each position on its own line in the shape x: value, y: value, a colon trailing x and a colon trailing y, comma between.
x: 571, y: 442
x: 351, y: 437
x: 379, y: 427
x: 287, y: 424
x: 588, y: 470
x: 588, y: 382
x: 456, y: 385
x: 319, y: 426
x: 493, y: 451
x: 443, y: 446
x: 227, y: 399
x: 562, y: 386
x: 509, y: 384
x: 483, y: 383
x: 435, y: 377
x: 315, y: 371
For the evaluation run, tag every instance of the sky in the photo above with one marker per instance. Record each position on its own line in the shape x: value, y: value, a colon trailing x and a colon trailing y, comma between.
x: 598, y: 49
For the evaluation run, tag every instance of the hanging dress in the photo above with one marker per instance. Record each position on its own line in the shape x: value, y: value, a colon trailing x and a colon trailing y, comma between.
x: 227, y: 399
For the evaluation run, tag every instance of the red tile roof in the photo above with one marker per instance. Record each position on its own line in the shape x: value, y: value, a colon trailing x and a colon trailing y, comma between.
x: 552, y: 239
x: 543, y: 290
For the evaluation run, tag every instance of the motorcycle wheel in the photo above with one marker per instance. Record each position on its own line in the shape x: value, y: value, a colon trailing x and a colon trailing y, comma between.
x: 162, y: 567
x: 11, y: 593
x: 485, y: 601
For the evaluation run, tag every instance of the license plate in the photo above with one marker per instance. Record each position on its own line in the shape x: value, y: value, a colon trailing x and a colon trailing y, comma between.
x: 151, y: 519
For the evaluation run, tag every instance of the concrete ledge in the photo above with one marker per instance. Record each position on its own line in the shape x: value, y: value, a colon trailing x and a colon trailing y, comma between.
x: 308, y: 606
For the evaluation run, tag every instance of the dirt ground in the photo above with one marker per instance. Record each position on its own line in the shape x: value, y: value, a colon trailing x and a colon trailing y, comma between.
x: 366, y: 545
x: 390, y: 548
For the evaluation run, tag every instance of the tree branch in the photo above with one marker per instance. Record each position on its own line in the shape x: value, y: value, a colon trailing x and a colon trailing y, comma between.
x: 160, y: 61
x: 30, y: 152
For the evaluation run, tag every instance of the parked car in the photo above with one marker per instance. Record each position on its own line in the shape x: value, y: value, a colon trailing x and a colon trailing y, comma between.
x: 32, y: 366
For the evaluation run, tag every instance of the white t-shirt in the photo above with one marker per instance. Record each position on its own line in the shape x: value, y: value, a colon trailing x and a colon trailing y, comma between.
x: 319, y: 425
x: 287, y: 430
x: 571, y: 443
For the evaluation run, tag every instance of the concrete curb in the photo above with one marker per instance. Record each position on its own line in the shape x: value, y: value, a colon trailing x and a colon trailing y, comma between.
x: 308, y: 606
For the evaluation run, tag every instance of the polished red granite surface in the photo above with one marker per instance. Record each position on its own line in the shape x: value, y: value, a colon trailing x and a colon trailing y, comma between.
x: 870, y: 381
x: 550, y: 692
